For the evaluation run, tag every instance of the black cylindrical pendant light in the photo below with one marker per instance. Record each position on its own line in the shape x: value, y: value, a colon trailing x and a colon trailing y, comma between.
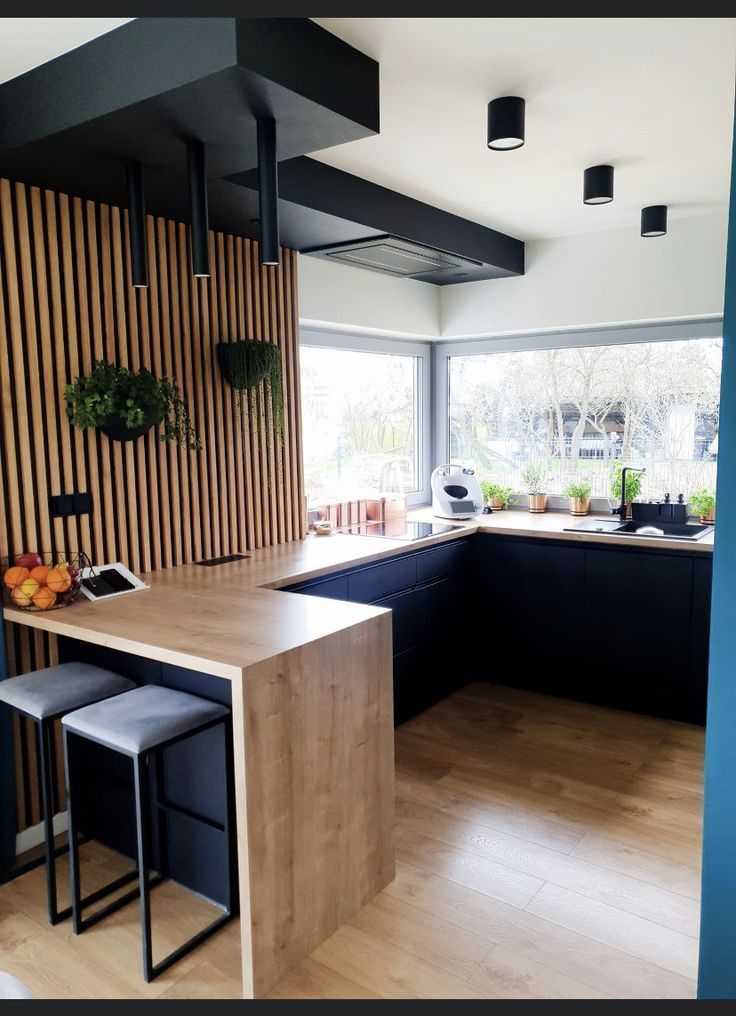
x: 137, y: 224
x: 654, y: 220
x: 598, y: 185
x: 198, y: 209
x: 268, y: 191
x: 506, y: 123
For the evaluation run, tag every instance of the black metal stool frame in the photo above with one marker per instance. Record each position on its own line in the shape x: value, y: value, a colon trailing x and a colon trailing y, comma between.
x: 46, y: 763
x: 142, y: 814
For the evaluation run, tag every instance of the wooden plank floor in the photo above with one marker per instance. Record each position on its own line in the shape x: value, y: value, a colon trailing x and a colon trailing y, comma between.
x: 546, y: 849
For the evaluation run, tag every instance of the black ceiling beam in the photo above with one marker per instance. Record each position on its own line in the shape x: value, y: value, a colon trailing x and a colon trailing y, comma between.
x: 374, y: 209
x: 149, y: 57
x: 144, y: 90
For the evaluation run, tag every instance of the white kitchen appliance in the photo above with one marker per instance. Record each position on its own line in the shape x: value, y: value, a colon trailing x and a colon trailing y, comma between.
x: 456, y: 493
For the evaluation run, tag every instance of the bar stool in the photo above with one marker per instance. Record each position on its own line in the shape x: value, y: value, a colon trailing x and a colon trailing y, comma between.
x: 44, y: 696
x: 140, y: 724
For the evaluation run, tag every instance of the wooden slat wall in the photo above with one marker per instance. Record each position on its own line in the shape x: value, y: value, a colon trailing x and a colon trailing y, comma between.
x: 65, y: 301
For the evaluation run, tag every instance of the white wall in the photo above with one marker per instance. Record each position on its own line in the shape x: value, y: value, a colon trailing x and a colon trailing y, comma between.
x: 336, y: 297
x: 606, y: 278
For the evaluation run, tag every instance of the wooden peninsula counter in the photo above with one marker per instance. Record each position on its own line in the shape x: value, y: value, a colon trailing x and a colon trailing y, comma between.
x: 311, y: 693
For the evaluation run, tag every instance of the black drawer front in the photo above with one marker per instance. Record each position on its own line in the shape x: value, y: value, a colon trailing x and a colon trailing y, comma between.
x: 370, y: 584
x: 333, y: 588
x: 440, y: 561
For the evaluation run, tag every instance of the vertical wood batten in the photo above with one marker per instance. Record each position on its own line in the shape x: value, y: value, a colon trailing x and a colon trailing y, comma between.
x: 66, y: 299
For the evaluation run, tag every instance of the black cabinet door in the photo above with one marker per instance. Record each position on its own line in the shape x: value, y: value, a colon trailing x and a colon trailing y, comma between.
x: 529, y: 614
x: 403, y: 607
x: 700, y: 636
x: 638, y: 626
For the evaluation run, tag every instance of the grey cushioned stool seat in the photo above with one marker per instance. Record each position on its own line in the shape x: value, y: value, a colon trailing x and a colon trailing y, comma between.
x: 140, y: 719
x: 56, y: 690
x: 142, y: 724
x: 44, y: 696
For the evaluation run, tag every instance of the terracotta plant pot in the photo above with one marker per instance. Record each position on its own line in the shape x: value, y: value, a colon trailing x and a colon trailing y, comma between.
x: 579, y: 505
x: 537, y: 503
x: 495, y: 504
x: 710, y: 518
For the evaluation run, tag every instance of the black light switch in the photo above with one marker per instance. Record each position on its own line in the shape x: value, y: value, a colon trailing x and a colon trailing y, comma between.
x: 64, y: 505
x: 82, y: 504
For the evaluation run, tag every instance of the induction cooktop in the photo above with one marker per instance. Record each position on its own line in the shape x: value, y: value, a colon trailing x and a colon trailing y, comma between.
x: 399, y: 529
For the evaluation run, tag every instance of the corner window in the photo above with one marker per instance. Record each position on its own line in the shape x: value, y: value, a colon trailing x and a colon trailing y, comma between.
x: 362, y: 423
x: 573, y: 412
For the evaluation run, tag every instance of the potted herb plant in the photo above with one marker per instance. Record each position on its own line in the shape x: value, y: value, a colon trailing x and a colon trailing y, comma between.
x: 578, y: 492
x: 633, y: 485
x: 125, y: 404
x: 246, y: 363
x: 495, y: 496
x: 534, y: 479
x: 704, y: 503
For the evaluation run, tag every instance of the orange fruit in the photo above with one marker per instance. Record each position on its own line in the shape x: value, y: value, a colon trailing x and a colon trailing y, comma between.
x: 24, y: 593
x: 39, y: 574
x: 44, y: 598
x: 58, y: 580
x: 15, y: 576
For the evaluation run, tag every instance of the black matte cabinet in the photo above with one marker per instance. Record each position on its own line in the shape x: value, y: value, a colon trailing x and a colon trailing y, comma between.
x: 426, y: 590
x: 619, y: 626
x: 530, y: 608
x: 638, y: 629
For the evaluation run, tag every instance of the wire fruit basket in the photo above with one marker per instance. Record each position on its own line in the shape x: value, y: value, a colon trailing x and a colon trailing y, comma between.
x: 45, y: 581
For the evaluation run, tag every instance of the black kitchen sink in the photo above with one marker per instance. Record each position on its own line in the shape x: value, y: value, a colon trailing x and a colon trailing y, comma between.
x: 651, y: 530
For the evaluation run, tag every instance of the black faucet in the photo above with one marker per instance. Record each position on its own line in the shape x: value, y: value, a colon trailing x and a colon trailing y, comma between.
x: 621, y: 509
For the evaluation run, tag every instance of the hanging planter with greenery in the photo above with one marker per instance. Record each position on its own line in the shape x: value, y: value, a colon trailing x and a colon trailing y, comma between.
x: 125, y: 404
x: 248, y: 362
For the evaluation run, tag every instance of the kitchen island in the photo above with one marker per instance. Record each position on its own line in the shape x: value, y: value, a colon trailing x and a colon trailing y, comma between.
x: 310, y: 684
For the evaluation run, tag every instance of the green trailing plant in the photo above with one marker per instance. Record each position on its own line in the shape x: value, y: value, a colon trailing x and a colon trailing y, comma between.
x: 633, y: 482
x: 703, y: 501
x: 534, y: 478
x: 578, y: 488
x: 248, y: 362
x: 495, y: 492
x: 111, y: 395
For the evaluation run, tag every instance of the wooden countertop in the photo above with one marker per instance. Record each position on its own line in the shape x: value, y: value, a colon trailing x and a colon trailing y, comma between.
x: 223, y: 620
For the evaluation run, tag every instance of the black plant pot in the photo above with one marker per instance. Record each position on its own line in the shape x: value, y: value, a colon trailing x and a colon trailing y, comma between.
x: 226, y: 351
x: 116, y: 430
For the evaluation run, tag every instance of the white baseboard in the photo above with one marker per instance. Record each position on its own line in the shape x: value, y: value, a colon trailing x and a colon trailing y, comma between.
x: 33, y: 836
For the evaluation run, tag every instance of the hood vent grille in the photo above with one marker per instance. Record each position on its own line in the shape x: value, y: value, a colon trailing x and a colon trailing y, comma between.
x: 393, y: 255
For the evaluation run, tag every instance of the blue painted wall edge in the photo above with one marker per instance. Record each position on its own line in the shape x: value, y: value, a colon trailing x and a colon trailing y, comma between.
x: 717, y: 973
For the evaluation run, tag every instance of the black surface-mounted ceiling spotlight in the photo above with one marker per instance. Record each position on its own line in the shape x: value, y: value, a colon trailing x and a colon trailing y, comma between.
x: 137, y: 224
x: 654, y: 220
x: 598, y: 185
x: 198, y: 211
x: 506, y: 123
x: 268, y: 191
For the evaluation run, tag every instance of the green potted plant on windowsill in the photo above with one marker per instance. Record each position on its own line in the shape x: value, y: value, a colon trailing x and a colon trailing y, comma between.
x: 578, y: 491
x: 125, y: 404
x: 534, y: 479
x: 495, y: 496
x: 633, y: 485
x: 704, y: 503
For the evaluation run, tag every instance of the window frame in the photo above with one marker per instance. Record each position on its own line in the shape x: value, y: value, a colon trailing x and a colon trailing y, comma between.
x: 708, y: 327
x: 393, y: 346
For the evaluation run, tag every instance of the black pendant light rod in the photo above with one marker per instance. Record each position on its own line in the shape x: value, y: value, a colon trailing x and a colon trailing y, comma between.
x: 268, y: 191
x: 198, y: 209
x: 137, y: 223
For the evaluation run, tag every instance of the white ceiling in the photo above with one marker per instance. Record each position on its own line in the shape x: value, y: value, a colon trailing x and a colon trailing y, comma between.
x: 652, y: 96
x: 28, y: 42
